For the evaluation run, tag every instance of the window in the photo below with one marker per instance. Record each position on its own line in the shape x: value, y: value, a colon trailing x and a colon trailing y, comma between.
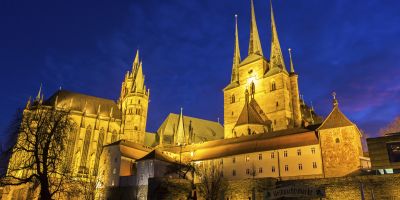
x: 233, y: 98
x: 300, y: 166
x: 277, y: 104
x: 274, y: 121
x: 252, y: 89
x: 260, y: 156
x: 273, y: 86
x: 85, y: 150
x: 247, y: 171
x: 135, y: 128
x: 337, y: 140
x: 273, y: 169
x: 285, y: 154
x: 139, y: 101
x: 313, y: 150
x: 286, y: 167
x: 299, y: 152
x: 260, y: 170
x: 272, y: 155
x: 114, y: 171
x: 314, y: 165
x: 233, y: 160
x: 234, y: 172
x: 247, y: 158
x: 232, y: 112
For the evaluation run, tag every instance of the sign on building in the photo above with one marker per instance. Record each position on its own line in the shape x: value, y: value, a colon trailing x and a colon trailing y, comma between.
x: 294, y: 191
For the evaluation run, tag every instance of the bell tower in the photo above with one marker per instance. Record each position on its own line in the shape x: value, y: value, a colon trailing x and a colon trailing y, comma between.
x: 133, y: 103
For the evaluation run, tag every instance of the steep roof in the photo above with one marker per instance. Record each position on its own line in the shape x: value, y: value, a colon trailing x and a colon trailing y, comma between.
x: 203, y: 130
x: 335, y: 119
x: 157, y: 155
x: 81, y: 102
x: 288, y: 138
x: 252, y: 114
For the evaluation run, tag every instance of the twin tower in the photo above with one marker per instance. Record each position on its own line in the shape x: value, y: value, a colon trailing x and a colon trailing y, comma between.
x: 262, y: 95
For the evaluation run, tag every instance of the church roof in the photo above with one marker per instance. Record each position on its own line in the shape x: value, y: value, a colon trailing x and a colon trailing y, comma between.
x: 252, y: 114
x: 130, y: 150
x: 82, y: 102
x: 282, y: 139
x: 203, y: 130
x: 335, y: 119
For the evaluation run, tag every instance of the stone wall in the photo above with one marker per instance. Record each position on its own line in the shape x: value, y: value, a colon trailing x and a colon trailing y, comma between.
x: 380, y: 186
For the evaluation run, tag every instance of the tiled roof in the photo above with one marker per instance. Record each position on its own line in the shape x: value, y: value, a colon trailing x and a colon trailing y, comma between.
x: 203, y: 130
x: 80, y: 102
x: 252, y: 114
x: 335, y: 119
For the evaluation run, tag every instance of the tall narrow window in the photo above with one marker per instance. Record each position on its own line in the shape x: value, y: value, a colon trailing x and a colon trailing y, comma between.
x: 247, y: 158
x: 71, y: 146
x: 234, y: 172
x: 273, y: 86
x: 273, y: 169
x: 260, y: 170
x: 233, y: 98
x: 299, y: 152
x: 285, y: 154
x: 272, y: 155
x: 233, y: 160
x: 286, y: 167
x: 247, y: 171
x: 260, y: 156
x: 114, y: 136
x: 314, y: 165
x: 300, y: 166
x: 98, y: 151
x: 252, y: 89
x: 85, y: 150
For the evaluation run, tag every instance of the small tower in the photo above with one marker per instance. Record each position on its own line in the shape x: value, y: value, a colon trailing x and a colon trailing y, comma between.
x: 294, y: 85
x: 180, y: 135
x: 133, y: 103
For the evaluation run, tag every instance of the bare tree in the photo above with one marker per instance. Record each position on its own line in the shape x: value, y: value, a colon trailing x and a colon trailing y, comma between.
x: 392, y: 127
x: 212, y: 184
x: 39, y: 153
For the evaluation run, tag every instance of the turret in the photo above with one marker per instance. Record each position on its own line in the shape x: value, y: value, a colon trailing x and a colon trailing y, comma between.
x: 294, y: 85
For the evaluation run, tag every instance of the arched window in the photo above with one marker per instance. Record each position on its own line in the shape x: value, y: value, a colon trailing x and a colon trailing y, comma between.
x: 233, y: 98
x: 114, y: 136
x: 273, y: 86
x: 337, y: 140
x: 252, y: 89
x: 71, y: 145
x: 85, y: 150
x: 100, y: 141
x: 135, y: 128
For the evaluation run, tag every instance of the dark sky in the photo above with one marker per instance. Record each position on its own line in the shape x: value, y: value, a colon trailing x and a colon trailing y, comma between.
x: 351, y: 47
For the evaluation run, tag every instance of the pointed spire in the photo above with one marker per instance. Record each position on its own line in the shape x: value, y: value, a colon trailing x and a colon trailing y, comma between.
x: 254, y: 43
x: 28, y: 104
x: 276, y: 57
x: 291, y: 61
x: 236, y: 55
x: 136, y: 61
x: 180, y: 131
x: 39, y: 95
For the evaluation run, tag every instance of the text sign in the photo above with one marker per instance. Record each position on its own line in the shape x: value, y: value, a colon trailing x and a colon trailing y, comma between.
x: 294, y: 191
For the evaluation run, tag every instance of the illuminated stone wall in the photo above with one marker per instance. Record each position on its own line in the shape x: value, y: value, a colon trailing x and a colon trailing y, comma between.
x: 275, y: 101
x: 341, y: 150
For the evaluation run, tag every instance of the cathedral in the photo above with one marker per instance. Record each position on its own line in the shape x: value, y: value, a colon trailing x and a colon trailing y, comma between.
x: 268, y: 130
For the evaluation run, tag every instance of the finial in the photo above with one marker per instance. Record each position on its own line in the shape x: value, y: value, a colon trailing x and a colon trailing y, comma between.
x: 312, y: 107
x: 335, y: 101
x: 28, y: 104
x: 291, y: 61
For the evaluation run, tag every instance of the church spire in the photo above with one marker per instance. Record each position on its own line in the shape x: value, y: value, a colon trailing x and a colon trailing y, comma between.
x: 236, y: 55
x: 254, y: 43
x: 136, y: 61
x: 291, y: 61
x: 276, y: 58
x: 180, y: 131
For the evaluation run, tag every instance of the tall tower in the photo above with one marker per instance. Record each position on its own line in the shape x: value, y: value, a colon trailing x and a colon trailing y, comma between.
x: 268, y: 83
x: 133, y: 102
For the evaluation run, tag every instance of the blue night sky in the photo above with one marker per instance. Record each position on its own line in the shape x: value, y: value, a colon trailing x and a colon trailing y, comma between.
x: 351, y: 47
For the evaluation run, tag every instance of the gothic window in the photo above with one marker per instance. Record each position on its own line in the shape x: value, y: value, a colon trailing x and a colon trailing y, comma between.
x: 114, y: 136
x: 85, y: 150
x: 71, y: 145
x: 98, y: 151
x: 252, y: 89
x: 273, y: 86
x: 233, y: 98
x: 277, y: 104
